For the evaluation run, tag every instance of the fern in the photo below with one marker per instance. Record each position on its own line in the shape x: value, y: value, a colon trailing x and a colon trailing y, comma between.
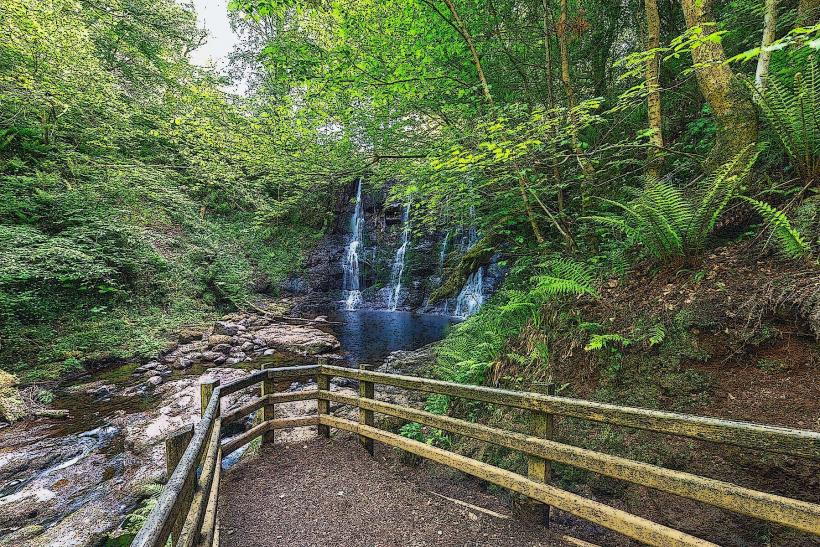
x: 601, y: 341
x: 793, y: 114
x: 791, y: 242
x: 666, y: 223
x: 658, y: 335
x: 564, y: 277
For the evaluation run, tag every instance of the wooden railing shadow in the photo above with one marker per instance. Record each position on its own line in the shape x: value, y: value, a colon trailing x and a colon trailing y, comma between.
x: 186, y: 511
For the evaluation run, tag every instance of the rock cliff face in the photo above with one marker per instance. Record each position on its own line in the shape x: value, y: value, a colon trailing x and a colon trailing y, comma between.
x: 319, y: 283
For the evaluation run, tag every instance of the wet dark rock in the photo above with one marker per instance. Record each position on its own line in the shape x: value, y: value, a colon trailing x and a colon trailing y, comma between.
x: 226, y: 328
x: 221, y: 348
x: 183, y: 363
x: 210, y: 356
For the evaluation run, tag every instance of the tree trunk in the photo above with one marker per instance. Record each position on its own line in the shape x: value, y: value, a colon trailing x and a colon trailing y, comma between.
x: 563, y: 48
x: 734, y: 112
x: 808, y: 13
x: 653, y: 99
x: 769, y: 19
x: 465, y: 33
x: 548, y: 53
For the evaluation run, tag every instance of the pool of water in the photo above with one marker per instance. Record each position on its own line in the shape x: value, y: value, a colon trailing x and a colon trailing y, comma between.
x: 368, y: 336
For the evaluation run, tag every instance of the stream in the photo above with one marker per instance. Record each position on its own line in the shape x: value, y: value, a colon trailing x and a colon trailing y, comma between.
x: 71, y: 481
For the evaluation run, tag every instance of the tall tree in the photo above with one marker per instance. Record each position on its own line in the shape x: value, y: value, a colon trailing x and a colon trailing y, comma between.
x: 734, y: 112
x: 563, y: 47
x: 769, y: 20
x: 653, y: 99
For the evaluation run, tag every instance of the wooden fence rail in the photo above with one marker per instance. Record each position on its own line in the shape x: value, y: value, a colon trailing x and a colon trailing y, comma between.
x: 187, y: 508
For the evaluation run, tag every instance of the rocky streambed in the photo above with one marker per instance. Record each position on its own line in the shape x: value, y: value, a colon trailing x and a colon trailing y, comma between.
x: 74, y: 481
x: 71, y: 481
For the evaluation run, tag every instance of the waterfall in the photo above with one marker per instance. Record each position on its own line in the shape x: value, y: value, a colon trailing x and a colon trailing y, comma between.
x: 471, y: 296
x: 442, y: 254
x: 398, y: 262
x: 350, y: 281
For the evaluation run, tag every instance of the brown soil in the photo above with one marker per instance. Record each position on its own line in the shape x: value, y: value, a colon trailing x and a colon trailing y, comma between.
x: 324, y: 492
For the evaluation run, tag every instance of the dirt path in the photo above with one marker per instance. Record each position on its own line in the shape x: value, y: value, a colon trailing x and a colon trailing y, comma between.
x: 321, y: 492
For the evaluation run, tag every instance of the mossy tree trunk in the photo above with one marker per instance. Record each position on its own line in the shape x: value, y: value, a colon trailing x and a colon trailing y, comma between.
x: 734, y: 111
x: 653, y: 99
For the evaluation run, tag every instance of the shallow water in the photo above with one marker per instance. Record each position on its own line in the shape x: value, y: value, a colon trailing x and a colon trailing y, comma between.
x: 369, y: 336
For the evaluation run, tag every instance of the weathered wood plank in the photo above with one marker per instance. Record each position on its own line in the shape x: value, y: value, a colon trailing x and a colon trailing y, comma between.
x: 157, y: 527
x: 279, y: 423
x: 175, y: 445
x: 242, y: 383
x: 280, y: 373
x: 366, y: 390
x: 210, y: 519
x: 268, y: 389
x: 206, y: 389
x: 797, y: 514
x: 784, y: 440
x: 541, y: 425
x: 259, y: 402
x: 193, y: 522
x: 625, y: 523
x: 323, y: 405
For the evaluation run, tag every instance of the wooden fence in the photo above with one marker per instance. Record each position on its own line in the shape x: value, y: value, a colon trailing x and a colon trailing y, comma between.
x: 187, y: 508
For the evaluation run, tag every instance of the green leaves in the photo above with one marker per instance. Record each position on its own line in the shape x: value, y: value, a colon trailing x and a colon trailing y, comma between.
x: 790, y: 242
x: 670, y: 224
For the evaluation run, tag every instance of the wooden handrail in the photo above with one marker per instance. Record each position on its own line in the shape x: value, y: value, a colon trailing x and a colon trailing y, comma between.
x: 784, y: 440
x: 797, y: 514
x: 198, y: 509
x: 626, y: 523
x: 157, y: 527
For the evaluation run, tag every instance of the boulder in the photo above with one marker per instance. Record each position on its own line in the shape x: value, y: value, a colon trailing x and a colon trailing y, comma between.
x: 188, y: 334
x: 155, y: 380
x: 211, y: 356
x: 218, y: 339
x: 302, y: 339
x: 226, y: 328
x: 221, y: 348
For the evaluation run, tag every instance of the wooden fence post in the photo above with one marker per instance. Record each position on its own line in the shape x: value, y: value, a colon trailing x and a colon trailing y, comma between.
x: 541, y: 425
x: 266, y: 412
x: 206, y: 389
x: 366, y: 390
x: 175, y: 445
x: 323, y: 405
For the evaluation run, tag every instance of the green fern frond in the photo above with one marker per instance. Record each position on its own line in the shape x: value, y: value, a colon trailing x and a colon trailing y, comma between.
x: 792, y: 112
x: 657, y: 336
x: 791, y: 242
x: 601, y: 341
x: 715, y: 193
x: 564, y: 277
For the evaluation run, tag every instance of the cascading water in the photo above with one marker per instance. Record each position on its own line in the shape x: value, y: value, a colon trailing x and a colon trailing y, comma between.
x: 350, y: 280
x: 471, y: 297
x: 398, y: 263
x: 443, y: 253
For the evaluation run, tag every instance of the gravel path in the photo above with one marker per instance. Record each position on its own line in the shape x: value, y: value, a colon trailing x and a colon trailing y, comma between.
x: 322, y: 492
